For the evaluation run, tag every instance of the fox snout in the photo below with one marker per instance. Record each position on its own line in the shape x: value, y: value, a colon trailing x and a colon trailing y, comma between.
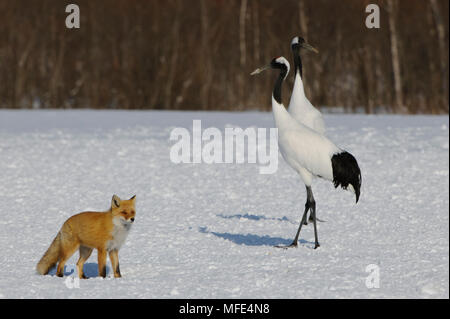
x: 128, y: 220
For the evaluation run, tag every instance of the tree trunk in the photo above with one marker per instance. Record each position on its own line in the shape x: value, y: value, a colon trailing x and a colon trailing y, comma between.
x: 175, y: 38
x: 21, y: 75
x: 443, y: 59
x: 303, y: 19
x: 433, y: 97
x: 392, y: 8
x: 207, y: 65
x: 368, y: 67
x: 242, y: 52
x: 242, y: 44
x: 256, y: 34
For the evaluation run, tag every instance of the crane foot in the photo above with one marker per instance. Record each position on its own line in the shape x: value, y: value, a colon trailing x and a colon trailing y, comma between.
x: 294, y: 244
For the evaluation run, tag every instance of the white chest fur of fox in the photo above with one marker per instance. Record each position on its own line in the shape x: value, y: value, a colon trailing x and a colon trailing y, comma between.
x: 119, y: 234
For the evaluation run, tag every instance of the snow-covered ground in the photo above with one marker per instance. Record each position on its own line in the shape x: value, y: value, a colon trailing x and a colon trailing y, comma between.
x: 208, y: 231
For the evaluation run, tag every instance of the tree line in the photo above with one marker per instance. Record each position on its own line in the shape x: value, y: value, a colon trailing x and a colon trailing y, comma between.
x: 198, y: 54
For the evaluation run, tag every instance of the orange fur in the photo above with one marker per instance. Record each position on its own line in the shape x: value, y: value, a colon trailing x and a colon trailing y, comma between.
x: 104, y: 231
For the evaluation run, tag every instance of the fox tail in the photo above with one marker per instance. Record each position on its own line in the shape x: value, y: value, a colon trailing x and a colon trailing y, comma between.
x: 50, y: 257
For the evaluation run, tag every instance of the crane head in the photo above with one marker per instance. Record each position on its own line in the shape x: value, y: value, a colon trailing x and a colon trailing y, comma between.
x: 277, y: 63
x: 298, y: 43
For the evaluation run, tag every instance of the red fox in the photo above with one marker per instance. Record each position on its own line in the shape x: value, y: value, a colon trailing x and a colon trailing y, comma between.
x: 104, y: 231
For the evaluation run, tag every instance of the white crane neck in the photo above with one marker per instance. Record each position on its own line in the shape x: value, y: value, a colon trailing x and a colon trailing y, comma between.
x: 282, y: 117
x: 298, y: 84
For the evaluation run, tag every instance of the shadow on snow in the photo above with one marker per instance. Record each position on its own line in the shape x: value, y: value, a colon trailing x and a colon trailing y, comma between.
x: 252, y: 240
x: 254, y: 217
x: 89, y: 269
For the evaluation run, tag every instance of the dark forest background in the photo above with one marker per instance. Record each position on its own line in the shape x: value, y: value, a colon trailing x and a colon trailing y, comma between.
x: 198, y: 54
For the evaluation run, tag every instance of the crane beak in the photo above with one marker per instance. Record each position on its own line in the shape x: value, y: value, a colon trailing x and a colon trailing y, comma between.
x: 259, y: 70
x: 309, y: 47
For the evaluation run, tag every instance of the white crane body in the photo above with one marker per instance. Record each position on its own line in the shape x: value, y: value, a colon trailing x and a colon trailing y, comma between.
x: 304, y: 149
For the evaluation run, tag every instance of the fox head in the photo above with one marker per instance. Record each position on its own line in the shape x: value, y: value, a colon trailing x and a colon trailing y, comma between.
x: 123, y: 211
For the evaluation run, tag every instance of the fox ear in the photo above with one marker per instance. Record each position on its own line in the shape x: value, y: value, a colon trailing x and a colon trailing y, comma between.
x: 133, y: 198
x: 115, y: 202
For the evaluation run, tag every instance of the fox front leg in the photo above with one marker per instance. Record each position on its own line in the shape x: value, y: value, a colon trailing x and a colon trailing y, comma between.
x: 114, y: 257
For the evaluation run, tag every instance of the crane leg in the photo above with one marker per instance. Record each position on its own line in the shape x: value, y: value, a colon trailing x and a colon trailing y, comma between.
x: 312, y: 217
x: 313, y: 214
x: 312, y: 202
x: 309, y: 205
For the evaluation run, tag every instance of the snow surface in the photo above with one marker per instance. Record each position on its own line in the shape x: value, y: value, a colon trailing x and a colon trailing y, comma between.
x: 207, y: 231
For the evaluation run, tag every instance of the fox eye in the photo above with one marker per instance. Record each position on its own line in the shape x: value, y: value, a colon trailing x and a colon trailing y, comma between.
x: 124, y: 212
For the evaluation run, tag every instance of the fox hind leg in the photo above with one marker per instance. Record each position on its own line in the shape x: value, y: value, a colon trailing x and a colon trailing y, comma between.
x: 67, y: 250
x: 85, y: 253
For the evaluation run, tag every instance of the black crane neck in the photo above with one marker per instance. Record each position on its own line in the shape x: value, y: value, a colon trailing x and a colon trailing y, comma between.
x: 278, y: 84
x: 297, y: 62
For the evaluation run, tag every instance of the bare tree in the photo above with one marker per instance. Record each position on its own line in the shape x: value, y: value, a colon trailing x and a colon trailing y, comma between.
x: 395, y: 55
x: 207, y: 64
x: 242, y: 52
x: 175, y: 38
x: 303, y: 23
x: 443, y: 51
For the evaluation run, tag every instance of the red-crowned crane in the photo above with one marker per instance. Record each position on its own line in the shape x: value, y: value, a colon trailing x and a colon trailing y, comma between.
x: 300, y: 107
x: 307, y: 150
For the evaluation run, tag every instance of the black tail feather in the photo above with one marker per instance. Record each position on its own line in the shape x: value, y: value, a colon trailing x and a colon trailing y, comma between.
x: 346, y: 171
